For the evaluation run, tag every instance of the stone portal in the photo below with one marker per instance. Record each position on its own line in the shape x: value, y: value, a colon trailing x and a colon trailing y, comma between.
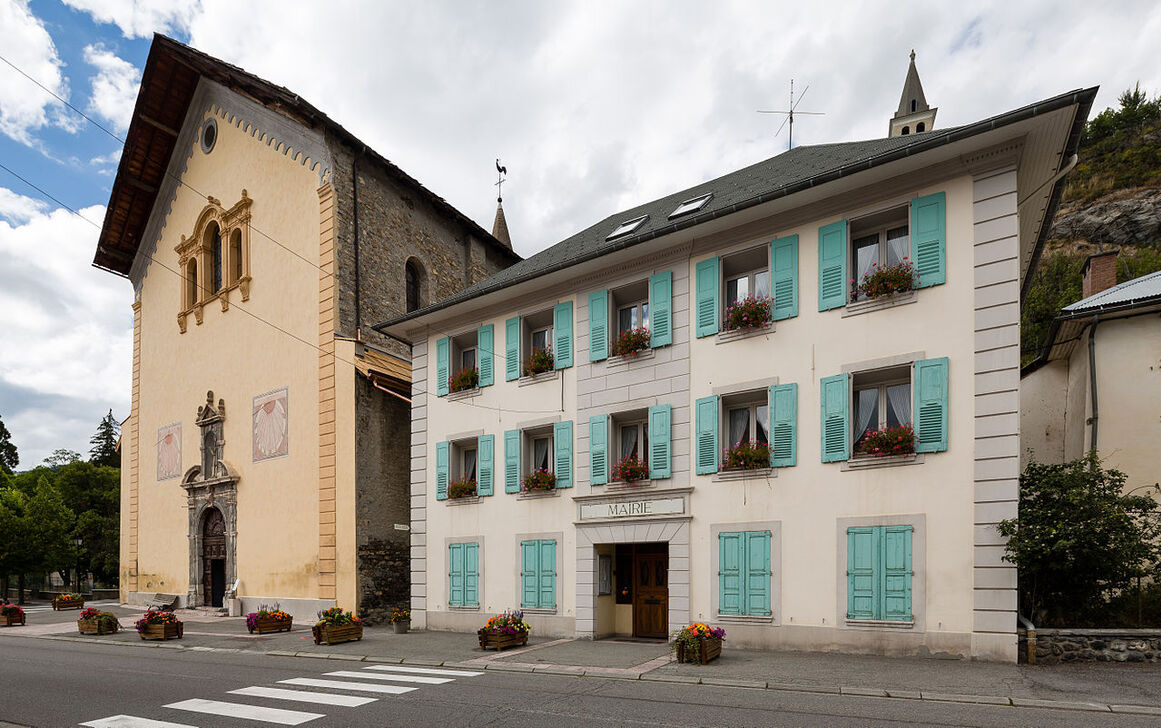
x: 212, y: 499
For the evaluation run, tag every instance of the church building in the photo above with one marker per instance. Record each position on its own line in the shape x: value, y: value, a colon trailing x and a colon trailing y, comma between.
x: 266, y: 454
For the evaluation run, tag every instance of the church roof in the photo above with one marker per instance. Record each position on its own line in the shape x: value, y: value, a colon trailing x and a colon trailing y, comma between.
x: 168, y: 83
x: 912, y: 89
x: 500, y: 226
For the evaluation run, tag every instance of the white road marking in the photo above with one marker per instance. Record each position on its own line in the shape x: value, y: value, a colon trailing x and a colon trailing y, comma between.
x: 249, y: 712
x: 397, y: 678
x: 424, y: 670
x: 304, y: 696
x: 129, y: 721
x: 311, y: 682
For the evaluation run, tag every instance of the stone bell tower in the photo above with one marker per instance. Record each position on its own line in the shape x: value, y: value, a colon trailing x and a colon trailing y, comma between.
x: 914, y: 115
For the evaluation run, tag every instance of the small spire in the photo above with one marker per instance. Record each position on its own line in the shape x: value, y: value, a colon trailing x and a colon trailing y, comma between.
x: 914, y: 115
x: 500, y: 226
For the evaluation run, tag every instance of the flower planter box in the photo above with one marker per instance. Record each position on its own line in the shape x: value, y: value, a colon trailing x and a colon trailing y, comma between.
x: 401, y: 627
x: 266, y: 624
x: 60, y: 603
x: 95, y: 626
x: 13, y: 620
x: 333, y: 634
x: 501, y: 640
x: 708, y: 649
x: 162, y: 632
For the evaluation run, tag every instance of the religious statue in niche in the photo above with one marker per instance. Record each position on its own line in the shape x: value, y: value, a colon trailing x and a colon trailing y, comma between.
x: 169, y: 452
x: 270, y: 421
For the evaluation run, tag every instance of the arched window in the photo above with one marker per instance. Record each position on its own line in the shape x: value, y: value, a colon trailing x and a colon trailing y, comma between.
x: 919, y: 127
x: 191, y: 284
x: 215, y: 259
x: 906, y: 130
x: 914, y: 106
x: 214, y: 238
x: 414, y: 281
x: 235, y: 256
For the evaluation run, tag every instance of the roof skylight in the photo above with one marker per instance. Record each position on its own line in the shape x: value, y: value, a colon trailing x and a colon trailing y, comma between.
x: 691, y: 205
x: 627, y: 227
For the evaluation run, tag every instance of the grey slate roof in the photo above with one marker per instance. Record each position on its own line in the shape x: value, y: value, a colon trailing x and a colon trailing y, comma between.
x: 1137, y: 290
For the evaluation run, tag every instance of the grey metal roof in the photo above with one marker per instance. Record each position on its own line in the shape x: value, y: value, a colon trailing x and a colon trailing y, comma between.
x: 1139, y: 289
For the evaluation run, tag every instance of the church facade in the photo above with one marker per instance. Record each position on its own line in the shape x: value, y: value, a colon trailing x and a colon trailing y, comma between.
x: 266, y: 453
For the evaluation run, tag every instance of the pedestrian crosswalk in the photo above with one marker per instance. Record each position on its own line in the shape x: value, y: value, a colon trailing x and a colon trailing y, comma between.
x: 324, y: 692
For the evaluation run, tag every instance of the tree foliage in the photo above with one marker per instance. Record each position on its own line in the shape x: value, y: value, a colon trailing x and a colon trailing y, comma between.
x: 1078, y: 540
x: 9, y: 458
x: 104, y: 443
x: 61, y: 457
x: 1120, y: 148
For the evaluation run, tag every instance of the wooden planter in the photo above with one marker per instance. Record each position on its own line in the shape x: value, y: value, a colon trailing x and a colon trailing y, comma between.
x: 333, y: 634
x: 95, y: 626
x: 501, y: 640
x: 162, y: 632
x: 266, y: 624
x: 12, y: 620
x: 59, y: 603
x: 709, y: 648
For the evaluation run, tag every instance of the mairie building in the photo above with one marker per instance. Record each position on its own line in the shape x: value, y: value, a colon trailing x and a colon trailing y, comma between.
x: 722, y: 473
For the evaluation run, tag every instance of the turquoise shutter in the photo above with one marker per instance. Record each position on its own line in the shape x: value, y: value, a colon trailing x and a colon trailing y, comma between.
x: 562, y: 332
x: 929, y: 239
x: 929, y: 377
x: 783, y: 425
x: 485, y: 465
x: 512, y: 349
x: 730, y: 573
x: 707, y: 435
x: 442, y: 366
x: 896, y: 546
x: 599, y: 325
x: 471, y: 575
x: 661, y: 309
x: 441, y: 469
x: 836, y: 430
x: 512, y: 461
x: 529, y: 560
x: 660, y: 455
x: 599, y: 450
x: 862, y: 556
x: 562, y: 446
x: 455, y: 574
x: 832, y: 266
x: 707, y: 302
x: 485, y: 353
x: 546, y: 578
x: 784, y: 276
x: 757, y: 566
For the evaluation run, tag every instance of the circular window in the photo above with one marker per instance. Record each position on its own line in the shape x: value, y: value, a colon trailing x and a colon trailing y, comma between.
x: 209, y: 135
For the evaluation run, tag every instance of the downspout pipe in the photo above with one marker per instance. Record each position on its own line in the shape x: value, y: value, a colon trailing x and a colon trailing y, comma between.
x: 1092, y: 382
x: 1031, y: 641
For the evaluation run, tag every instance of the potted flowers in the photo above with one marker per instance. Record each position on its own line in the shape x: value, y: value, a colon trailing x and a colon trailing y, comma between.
x: 464, y: 379
x: 698, y: 643
x: 632, y: 341
x: 630, y: 470
x: 749, y: 313
x: 268, y: 620
x: 94, y: 621
x: 538, y: 480
x: 506, y: 630
x: 401, y: 620
x: 891, y: 440
x: 11, y: 615
x: 335, y: 626
x: 67, y: 601
x: 886, y: 280
x: 539, y: 362
x: 746, y: 455
x: 159, y: 626
x: 461, y: 488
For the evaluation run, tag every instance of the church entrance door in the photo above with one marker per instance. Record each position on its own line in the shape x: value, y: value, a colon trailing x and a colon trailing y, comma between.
x: 213, y: 558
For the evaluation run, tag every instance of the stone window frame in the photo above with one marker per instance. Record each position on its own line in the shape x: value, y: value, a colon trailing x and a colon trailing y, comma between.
x: 918, y: 523
x: 196, y: 258
x: 859, y: 462
x: 775, y: 529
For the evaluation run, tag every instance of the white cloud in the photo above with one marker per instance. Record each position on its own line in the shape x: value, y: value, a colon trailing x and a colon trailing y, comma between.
x: 141, y: 18
x: 17, y: 208
x: 24, y: 108
x: 114, y: 86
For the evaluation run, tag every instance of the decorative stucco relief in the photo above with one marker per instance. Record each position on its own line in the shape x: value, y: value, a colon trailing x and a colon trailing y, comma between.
x: 271, y: 419
x: 169, y: 452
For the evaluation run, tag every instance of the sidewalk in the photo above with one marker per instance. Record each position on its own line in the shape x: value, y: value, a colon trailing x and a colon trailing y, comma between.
x: 1086, y: 686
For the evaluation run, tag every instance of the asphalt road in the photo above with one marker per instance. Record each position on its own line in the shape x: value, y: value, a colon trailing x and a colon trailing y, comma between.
x: 53, y: 683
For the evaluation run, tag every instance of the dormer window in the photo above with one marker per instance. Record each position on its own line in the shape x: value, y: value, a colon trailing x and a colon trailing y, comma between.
x: 627, y: 227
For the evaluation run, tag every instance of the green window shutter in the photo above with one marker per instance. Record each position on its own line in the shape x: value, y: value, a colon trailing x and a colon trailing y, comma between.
x: 485, y: 465
x: 784, y: 275
x: 929, y: 377
x: 783, y: 425
x: 832, y: 265
x: 455, y: 574
x: 471, y: 575
x: 512, y: 349
x: 562, y: 332
x: 546, y: 579
x: 730, y: 546
x: 660, y: 452
x: 562, y: 447
x: 485, y: 353
x: 896, y: 545
x: 512, y: 461
x: 757, y: 567
x: 442, y: 366
x: 862, y: 577
x: 661, y: 309
x: 707, y: 435
x: 708, y: 300
x: 836, y: 429
x: 529, y: 561
x: 929, y: 239
x: 599, y: 450
x: 599, y: 325
x: 441, y: 469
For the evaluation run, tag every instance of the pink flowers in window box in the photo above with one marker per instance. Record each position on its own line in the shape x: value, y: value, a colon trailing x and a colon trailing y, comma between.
x: 751, y: 312
x: 630, y: 470
x: 538, y: 480
x: 886, y: 280
x: 463, y: 379
x: 461, y: 488
x: 898, y: 440
x: 632, y: 341
x: 746, y: 455
x: 539, y: 362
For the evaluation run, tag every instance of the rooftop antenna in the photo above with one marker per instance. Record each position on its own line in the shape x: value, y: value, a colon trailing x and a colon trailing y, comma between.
x: 789, y: 120
x: 501, y: 173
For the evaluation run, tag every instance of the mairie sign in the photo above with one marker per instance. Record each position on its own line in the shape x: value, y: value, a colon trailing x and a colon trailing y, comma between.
x: 633, y: 509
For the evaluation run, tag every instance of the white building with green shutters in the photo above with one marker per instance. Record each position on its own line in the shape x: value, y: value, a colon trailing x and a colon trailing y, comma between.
x: 827, y: 476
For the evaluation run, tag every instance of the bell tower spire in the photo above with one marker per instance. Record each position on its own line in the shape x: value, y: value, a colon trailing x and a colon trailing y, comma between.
x: 914, y: 115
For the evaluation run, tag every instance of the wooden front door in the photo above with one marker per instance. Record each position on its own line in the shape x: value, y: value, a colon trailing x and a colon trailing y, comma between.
x: 651, y: 597
x: 213, y: 558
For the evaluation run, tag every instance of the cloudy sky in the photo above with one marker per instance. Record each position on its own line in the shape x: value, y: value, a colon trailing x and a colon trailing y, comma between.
x: 593, y: 107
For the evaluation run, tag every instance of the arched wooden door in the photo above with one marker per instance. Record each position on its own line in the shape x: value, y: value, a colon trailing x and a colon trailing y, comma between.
x: 213, y: 558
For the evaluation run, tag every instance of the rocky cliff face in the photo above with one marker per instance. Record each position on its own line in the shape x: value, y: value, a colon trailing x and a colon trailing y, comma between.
x: 1124, y: 219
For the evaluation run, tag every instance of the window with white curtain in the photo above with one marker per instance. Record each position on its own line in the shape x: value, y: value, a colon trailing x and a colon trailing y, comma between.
x: 881, y: 399
x: 879, y: 240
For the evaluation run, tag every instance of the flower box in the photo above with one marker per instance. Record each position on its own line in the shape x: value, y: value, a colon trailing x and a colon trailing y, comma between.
x: 167, y: 631
x: 538, y: 480
x: 752, y: 312
x: 539, y: 362
x: 262, y: 625
x: 463, y: 380
x: 709, y: 648
x: 630, y: 342
x: 13, y: 620
x: 67, y: 601
x: 96, y: 626
x: 333, y: 634
x: 501, y: 640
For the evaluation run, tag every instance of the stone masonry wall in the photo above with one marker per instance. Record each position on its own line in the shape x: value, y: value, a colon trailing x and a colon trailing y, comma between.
x: 1095, y: 645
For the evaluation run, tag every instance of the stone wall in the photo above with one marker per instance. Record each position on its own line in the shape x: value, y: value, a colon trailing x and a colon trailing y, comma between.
x: 1095, y: 645
x: 382, y: 467
x: 384, y: 575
